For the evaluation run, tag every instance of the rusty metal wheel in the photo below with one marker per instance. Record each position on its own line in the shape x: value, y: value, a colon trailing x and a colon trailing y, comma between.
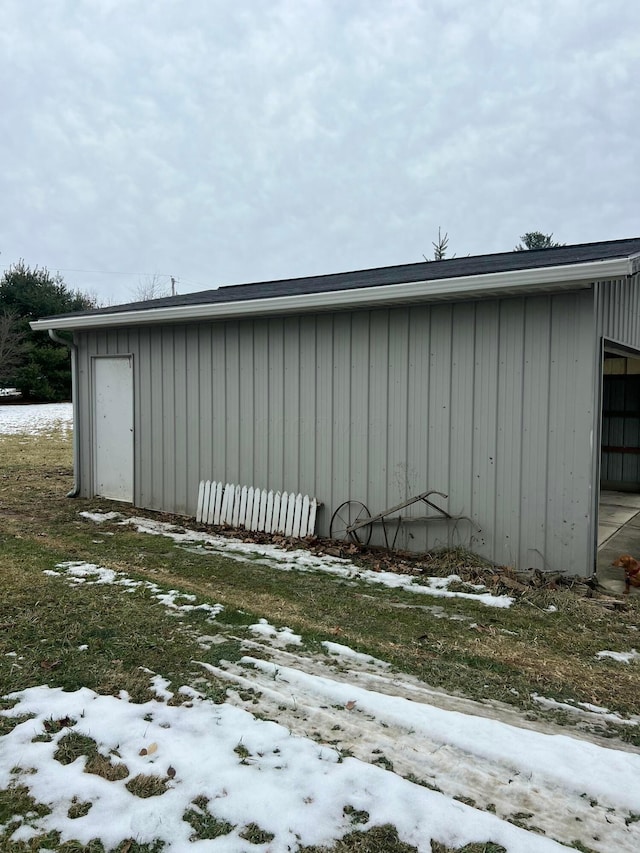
x: 347, y: 514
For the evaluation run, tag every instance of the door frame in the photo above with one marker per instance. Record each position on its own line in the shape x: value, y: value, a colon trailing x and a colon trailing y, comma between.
x: 614, y: 347
x: 94, y: 442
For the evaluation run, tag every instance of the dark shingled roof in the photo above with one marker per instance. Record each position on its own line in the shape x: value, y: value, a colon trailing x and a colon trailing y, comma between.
x: 424, y: 271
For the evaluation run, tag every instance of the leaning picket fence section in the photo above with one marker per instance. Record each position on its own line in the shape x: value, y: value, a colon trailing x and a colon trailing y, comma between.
x: 256, y: 509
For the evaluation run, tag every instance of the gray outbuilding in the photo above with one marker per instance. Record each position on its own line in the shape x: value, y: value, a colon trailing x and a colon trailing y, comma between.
x: 481, y: 377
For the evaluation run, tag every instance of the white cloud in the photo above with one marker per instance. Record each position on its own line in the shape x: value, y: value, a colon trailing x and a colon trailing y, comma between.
x: 227, y: 143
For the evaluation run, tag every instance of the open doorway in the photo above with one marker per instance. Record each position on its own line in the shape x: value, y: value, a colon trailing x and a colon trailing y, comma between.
x: 619, y: 502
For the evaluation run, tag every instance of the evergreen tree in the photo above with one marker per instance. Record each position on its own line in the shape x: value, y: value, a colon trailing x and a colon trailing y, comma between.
x: 536, y: 240
x: 12, y: 346
x: 440, y: 247
x: 42, y: 370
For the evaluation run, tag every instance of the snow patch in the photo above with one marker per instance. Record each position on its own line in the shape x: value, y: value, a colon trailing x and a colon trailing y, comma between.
x: 301, y: 560
x: 35, y: 419
x: 603, y: 714
x: 621, y: 657
x: 277, y: 636
x: 290, y: 786
x: 92, y: 574
x: 345, y: 651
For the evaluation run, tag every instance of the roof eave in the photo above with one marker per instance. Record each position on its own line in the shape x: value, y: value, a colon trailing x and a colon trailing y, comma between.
x: 475, y: 286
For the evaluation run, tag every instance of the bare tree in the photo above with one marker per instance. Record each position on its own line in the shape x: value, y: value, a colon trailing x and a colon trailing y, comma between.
x: 12, y: 345
x: 152, y: 287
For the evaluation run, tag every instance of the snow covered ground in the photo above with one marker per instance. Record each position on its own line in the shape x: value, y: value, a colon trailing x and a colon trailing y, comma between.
x: 251, y: 771
x: 32, y: 419
x: 327, y: 742
x: 301, y: 560
x: 351, y: 738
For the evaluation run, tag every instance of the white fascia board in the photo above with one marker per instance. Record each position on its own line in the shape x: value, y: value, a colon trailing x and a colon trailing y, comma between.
x: 474, y: 286
x: 634, y: 263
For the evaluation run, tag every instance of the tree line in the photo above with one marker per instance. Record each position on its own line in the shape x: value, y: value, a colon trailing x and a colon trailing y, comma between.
x: 530, y: 240
x: 30, y: 361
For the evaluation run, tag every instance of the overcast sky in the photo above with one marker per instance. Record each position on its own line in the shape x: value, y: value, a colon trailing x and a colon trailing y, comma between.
x: 223, y: 142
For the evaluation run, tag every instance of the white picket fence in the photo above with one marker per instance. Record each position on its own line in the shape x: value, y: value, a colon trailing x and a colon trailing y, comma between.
x: 256, y: 509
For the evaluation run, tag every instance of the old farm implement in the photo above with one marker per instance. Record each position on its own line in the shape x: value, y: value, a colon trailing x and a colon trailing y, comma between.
x: 352, y: 521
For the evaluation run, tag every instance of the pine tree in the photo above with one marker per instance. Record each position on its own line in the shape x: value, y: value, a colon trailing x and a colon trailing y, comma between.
x: 41, y: 368
x: 536, y: 240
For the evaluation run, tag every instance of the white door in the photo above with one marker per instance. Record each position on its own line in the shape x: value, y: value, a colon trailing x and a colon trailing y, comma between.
x: 113, y: 428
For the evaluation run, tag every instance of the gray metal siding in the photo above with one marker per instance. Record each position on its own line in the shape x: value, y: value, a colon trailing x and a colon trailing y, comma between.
x: 618, y: 310
x: 617, y: 319
x: 491, y: 402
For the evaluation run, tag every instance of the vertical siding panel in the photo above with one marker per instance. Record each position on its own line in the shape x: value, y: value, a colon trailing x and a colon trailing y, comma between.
x: 122, y: 342
x: 341, y: 422
x: 509, y: 430
x: 292, y: 426
x: 324, y: 409
x: 357, y: 488
x: 535, y: 432
x: 143, y: 421
x: 167, y: 380
x: 570, y: 434
x: 308, y: 482
x: 485, y: 416
x: 418, y: 409
x: 559, y: 354
x: 378, y: 491
x: 219, y: 398
x: 132, y: 346
x: 402, y: 483
x: 180, y: 460
x: 276, y: 405
x: 439, y: 414
x: 156, y: 451
x: 261, y: 403
x: 245, y: 424
x: 84, y: 426
x: 101, y: 344
x: 228, y: 388
x: 193, y: 464
x: 205, y: 392
x: 618, y: 310
x: 460, y: 486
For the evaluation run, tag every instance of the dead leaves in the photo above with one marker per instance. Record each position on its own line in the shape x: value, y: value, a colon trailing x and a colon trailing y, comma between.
x: 151, y: 750
x: 54, y: 726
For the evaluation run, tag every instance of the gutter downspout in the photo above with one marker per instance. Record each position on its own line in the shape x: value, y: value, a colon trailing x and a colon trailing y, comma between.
x: 73, y: 350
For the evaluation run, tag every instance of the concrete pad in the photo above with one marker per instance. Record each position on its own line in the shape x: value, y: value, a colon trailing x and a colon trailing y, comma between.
x: 611, y: 578
x: 626, y: 540
x: 606, y: 529
x: 618, y: 533
x: 627, y: 499
x: 616, y: 510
